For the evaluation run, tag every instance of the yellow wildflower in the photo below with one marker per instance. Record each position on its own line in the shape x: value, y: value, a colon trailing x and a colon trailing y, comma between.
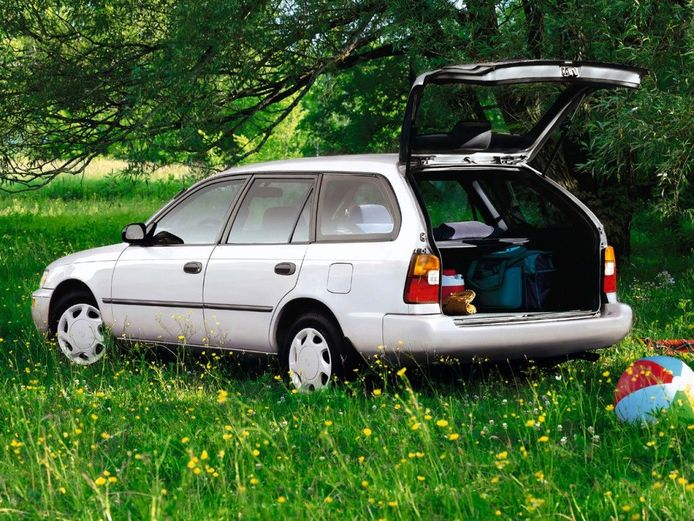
x: 367, y: 431
x: 442, y: 423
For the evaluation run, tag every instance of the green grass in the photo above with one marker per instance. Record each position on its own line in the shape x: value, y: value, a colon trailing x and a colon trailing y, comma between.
x: 531, y: 443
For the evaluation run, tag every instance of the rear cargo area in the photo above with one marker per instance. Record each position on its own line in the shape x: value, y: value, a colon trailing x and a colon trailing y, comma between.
x: 512, y: 238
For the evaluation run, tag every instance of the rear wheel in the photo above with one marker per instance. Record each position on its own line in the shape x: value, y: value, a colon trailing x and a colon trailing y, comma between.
x: 313, y: 352
x: 79, y: 329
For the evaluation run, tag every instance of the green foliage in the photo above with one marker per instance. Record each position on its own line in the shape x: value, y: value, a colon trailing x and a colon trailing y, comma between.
x: 220, y: 82
x: 356, y: 111
x: 162, y: 81
x: 148, y: 433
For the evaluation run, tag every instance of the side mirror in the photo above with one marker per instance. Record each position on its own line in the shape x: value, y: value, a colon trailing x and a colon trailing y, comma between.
x: 134, y: 233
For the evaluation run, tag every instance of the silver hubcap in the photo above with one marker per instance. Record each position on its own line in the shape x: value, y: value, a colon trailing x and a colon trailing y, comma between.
x: 310, y: 365
x: 80, y: 334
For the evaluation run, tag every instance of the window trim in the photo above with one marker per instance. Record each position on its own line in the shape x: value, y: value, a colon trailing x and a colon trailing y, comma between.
x: 309, y: 199
x: 181, y: 198
x: 309, y: 176
x: 391, y: 199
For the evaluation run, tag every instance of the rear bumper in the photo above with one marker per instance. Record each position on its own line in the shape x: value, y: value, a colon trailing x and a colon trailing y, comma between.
x: 40, y: 302
x: 431, y: 337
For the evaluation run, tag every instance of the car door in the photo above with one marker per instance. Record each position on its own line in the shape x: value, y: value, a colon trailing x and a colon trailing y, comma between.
x: 156, y: 290
x: 259, y: 261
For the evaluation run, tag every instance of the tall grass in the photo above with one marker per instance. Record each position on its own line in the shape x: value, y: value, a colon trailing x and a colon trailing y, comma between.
x: 153, y: 433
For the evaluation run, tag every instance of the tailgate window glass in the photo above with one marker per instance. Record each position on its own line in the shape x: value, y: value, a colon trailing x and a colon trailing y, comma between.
x: 457, y: 117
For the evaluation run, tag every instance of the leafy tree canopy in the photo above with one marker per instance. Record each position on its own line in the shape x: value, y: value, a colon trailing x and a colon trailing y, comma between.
x: 218, y: 82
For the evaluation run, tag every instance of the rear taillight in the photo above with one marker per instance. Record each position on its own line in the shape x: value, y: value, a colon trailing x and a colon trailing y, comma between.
x: 422, y: 286
x: 609, y: 280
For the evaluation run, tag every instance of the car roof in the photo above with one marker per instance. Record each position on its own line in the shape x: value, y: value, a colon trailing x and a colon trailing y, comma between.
x: 375, y: 163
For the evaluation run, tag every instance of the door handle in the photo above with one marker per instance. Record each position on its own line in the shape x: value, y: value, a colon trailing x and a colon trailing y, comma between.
x: 285, y: 268
x: 192, y: 267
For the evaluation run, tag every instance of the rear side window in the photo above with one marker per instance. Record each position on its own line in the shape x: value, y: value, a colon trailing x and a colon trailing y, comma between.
x: 355, y: 208
x: 270, y: 211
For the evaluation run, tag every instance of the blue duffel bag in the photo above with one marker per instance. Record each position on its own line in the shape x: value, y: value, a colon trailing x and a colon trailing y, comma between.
x: 512, y: 278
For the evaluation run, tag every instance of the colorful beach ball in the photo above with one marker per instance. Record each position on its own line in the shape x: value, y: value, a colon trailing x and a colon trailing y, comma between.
x: 652, y: 384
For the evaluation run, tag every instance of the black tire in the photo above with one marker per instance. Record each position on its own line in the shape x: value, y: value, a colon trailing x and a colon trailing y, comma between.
x: 82, y: 339
x: 333, y: 336
x: 65, y: 301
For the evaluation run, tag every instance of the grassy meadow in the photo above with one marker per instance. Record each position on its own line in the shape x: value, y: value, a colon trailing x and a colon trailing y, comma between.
x: 151, y: 434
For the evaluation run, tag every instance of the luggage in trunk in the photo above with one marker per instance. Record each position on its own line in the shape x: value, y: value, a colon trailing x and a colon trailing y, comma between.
x: 512, y: 279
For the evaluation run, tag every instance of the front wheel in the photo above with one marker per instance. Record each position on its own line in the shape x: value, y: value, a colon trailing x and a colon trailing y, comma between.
x: 313, y: 352
x: 80, y: 330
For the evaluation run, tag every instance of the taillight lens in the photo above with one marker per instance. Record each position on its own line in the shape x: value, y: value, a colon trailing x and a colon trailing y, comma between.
x: 422, y: 286
x: 609, y: 281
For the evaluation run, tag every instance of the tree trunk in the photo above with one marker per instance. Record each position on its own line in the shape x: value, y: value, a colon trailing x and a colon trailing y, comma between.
x: 535, y: 21
x: 482, y: 16
x: 611, y: 199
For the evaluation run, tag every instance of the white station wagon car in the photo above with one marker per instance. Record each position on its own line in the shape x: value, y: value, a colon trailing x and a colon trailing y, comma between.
x: 311, y: 258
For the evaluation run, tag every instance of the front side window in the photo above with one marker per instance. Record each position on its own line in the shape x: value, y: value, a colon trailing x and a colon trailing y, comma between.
x: 198, y: 219
x: 355, y: 207
x: 270, y: 210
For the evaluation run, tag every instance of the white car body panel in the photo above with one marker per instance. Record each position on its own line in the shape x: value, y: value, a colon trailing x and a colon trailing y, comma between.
x: 243, y: 276
x: 93, y: 267
x: 144, y: 276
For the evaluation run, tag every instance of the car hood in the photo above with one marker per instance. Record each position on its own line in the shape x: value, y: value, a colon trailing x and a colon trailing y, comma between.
x: 100, y: 254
